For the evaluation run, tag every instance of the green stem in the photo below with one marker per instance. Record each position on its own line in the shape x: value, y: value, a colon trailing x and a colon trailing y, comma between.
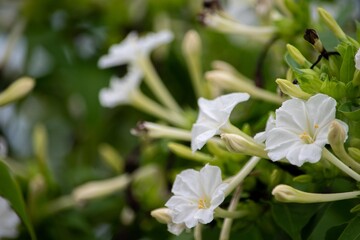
x: 341, y: 153
x: 240, y: 176
x: 226, y: 228
x: 334, y: 160
x: 154, y: 82
x: 198, y: 232
x: 222, y: 213
x: 147, y: 105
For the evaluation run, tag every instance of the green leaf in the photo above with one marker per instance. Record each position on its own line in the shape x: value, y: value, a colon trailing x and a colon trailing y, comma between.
x: 293, y: 217
x: 352, y: 231
x: 334, y: 89
x: 348, y: 65
x: 11, y: 191
x: 350, y: 110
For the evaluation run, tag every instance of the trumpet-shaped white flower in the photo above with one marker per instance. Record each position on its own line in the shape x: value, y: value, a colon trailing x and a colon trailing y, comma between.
x: 196, y: 195
x: 213, y: 117
x: 357, y: 60
x: 120, y: 88
x: 301, y: 129
x: 261, y: 136
x: 133, y: 47
x: 8, y: 220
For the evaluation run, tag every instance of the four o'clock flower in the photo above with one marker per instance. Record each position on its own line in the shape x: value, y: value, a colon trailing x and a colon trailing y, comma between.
x: 134, y: 47
x: 301, y: 129
x: 261, y: 136
x: 136, y: 50
x: 214, y: 117
x: 121, y: 88
x: 8, y: 220
x: 196, y: 195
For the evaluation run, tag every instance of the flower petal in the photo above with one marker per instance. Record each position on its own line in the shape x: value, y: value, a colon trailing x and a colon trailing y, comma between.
x: 204, y: 216
x: 210, y: 177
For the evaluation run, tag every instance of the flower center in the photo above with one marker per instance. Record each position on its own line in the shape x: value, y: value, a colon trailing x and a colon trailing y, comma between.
x: 306, y: 138
x: 203, y: 203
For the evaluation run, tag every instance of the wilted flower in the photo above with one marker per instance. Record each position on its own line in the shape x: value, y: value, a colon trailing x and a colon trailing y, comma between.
x: 301, y: 129
x: 8, y: 220
x: 133, y: 47
x: 196, y: 195
x: 213, y: 117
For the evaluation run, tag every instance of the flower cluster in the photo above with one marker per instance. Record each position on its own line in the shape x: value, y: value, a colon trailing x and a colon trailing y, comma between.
x: 310, y: 125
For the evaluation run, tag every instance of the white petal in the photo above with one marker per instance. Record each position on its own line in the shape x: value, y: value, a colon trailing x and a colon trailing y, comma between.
x: 213, y: 115
x: 292, y: 115
x: 279, y: 142
x: 357, y: 60
x: 9, y: 220
x: 261, y: 136
x: 321, y: 109
x: 204, y: 216
x: 176, y: 229
x: 187, y: 184
x: 304, y: 153
x: 218, y: 196
x: 200, y: 134
x: 210, y: 177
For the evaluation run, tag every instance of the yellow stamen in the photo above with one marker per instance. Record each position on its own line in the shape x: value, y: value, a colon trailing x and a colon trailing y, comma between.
x: 306, y: 137
x: 203, y: 203
x: 316, y: 126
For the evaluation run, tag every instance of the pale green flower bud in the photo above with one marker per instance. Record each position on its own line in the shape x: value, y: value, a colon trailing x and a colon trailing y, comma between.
x: 285, y: 193
x: 291, y: 89
x: 297, y: 56
x: 162, y: 215
x: 111, y: 157
x: 17, y: 90
x: 331, y: 23
x: 239, y: 144
x: 96, y: 189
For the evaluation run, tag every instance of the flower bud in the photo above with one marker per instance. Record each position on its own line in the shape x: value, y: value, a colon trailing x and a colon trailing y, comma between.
x: 291, y: 89
x: 337, y: 134
x: 96, y: 189
x: 17, y: 90
x: 313, y: 38
x: 162, y: 215
x: 239, y: 144
x: 297, y: 56
x: 191, y: 44
x: 111, y: 157
x: 331, y: 23
x: 285, y: 193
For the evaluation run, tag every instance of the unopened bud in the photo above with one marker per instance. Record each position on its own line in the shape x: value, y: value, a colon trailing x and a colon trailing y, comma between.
x: 291, y: 89
x: 331, y: 23
x: 285, y: 193
x: 162, y: 215
x: 96, y: 189
x: 17, y: 90
x: 297, y: 56
x: 192, y: 43
x: 337, y: 134
x: 111, y: 157
x: 239, y: 144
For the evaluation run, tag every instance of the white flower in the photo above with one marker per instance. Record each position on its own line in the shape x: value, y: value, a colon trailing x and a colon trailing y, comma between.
x: 301, y: 129
x: 133, y: 47
x: 261, y: 136
x: 8, y: 220
x: 214, y: 115
x: 196, y: 195
x: 120, y: 88
x: 357, y: 60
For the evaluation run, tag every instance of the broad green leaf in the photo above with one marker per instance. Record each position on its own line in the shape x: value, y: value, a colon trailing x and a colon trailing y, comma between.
x: 11, y: 191
x: 293, y: 217
x: 352, y: 231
